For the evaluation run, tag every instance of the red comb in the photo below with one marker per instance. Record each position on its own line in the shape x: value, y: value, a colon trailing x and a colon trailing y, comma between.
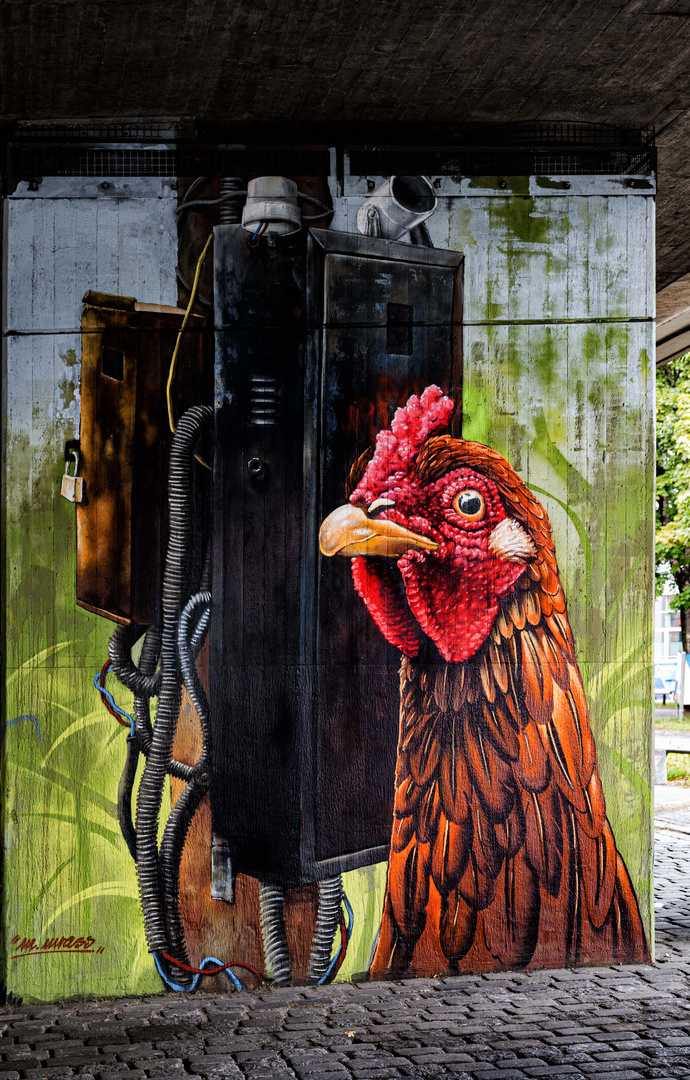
x: 412, y: 425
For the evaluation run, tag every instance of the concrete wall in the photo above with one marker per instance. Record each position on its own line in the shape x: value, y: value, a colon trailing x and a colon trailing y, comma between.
x: 557, y: 376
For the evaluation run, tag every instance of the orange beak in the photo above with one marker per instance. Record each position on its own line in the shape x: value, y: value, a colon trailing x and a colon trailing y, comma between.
x: 350, y: 531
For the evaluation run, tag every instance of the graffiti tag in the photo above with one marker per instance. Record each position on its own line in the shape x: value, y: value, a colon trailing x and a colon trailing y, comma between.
x: 31, y: 947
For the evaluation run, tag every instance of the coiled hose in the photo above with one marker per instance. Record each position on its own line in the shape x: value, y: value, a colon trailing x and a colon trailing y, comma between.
x: 233, y: 190
x: 276, y: 951
x: 154, y: 907
x: 143, y: 683
x: 327, y: 923
x: 141, y: 677
x: 189, y: 640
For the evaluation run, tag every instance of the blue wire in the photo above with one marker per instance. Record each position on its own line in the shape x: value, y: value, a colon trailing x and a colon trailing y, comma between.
x: 348, y: 935
x: 350, y: 916
x: 195, y: 981
x: 106, y: 694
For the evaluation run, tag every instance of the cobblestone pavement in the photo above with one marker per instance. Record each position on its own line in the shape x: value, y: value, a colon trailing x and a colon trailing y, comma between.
x: 616, y: 1023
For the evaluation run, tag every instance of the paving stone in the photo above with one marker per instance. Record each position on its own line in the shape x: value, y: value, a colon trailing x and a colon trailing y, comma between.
x: 617, y: 1023
x: 131, y: 1074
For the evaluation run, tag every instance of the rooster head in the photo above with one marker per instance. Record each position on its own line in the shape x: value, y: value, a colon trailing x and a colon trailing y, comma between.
x: 439, y: 530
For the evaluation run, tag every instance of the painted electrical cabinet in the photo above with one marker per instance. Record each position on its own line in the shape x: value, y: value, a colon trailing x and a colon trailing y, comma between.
x: 315, y: 339
x: 383, y: 739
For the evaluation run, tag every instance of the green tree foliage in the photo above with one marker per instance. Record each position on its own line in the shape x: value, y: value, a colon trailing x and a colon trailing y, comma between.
x: 673, y: 485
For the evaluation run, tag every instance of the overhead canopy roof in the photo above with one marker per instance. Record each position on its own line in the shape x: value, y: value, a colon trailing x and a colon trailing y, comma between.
x: 623, y: 62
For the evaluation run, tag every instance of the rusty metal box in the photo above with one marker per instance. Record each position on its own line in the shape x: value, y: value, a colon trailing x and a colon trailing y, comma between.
x: 125, y: 441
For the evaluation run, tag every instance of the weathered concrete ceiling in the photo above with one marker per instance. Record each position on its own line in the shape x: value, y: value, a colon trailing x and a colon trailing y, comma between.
x: 616, y: 61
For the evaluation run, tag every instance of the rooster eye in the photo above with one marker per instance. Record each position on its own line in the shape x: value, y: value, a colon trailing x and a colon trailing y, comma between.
x: 469, y: 504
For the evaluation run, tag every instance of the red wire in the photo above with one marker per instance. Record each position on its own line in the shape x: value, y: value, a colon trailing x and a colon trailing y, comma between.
x: 212, y: 971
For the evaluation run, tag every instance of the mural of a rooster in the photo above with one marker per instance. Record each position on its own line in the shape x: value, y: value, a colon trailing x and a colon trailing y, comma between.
x: 501, y: 852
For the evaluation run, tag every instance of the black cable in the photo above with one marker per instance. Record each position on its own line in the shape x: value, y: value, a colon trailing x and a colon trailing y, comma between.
x: 160, y: 917
x: 205, y: 202
x: 190, y: 636
x: 143, y: 683
x: 124, y: 795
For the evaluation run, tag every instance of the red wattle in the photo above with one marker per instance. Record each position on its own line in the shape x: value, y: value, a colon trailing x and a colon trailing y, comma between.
x: 375, y: 581
x: 456, y: 607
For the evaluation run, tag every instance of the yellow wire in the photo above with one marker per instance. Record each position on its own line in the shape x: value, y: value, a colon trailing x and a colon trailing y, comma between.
x: 173, y: 362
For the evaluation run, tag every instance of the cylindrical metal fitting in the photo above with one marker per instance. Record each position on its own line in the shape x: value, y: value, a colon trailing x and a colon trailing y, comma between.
x: 401, y: 203
x: 272, y: 201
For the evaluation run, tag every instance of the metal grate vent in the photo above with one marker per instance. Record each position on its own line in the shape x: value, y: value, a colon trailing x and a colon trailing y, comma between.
x: 264, y: 401
x: 169, y: 149
x: 28, y: 159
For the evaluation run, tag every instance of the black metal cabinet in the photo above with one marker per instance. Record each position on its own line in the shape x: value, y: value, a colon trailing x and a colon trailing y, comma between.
x: 319, y: 339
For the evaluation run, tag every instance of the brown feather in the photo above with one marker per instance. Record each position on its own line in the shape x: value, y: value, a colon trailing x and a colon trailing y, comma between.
x: 408, y: 880
x: 560, y: 628
x: 632, y: 944
x: 536, y: 679
x: 533, y: 769
x: 403, y: 832
x: 598, y: 872
x: 424, y: 751
x: 515, y: 611
x: 580, y: 715
x: 407, y: 797
x: 501, y: 731
x: 486, y: 851
x: 510, y: 834
x: 592, y: 821
x: 442, y: 688
x: 454, y: 778
x: 564, y: 746
x: 546, y: 605
x: 458, y: 925
x: 486, y: 677
x: 532, y: 606
x: 504, y: 623
x: 544, y: 837
x: 490, y: 774
x: 428, y: 816
x: 499, y: 668
x: 357, y: 471
x: 476, y: 888
x: 554, y: 657
x: 458, y: 681
x: 450, y: 852
x: 511, y: 927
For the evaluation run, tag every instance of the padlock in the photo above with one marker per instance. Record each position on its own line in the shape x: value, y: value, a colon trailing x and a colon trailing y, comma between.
x: 72, y: 487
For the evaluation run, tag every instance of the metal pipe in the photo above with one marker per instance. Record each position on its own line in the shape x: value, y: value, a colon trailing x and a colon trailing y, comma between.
x: 276, y: 951
x: 327, y: 923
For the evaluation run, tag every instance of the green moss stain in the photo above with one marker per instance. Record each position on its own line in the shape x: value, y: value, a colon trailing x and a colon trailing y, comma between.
x: 66, y: 869
x: 570, y: 405
x: 544, y: 445
x: 512, y: 185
